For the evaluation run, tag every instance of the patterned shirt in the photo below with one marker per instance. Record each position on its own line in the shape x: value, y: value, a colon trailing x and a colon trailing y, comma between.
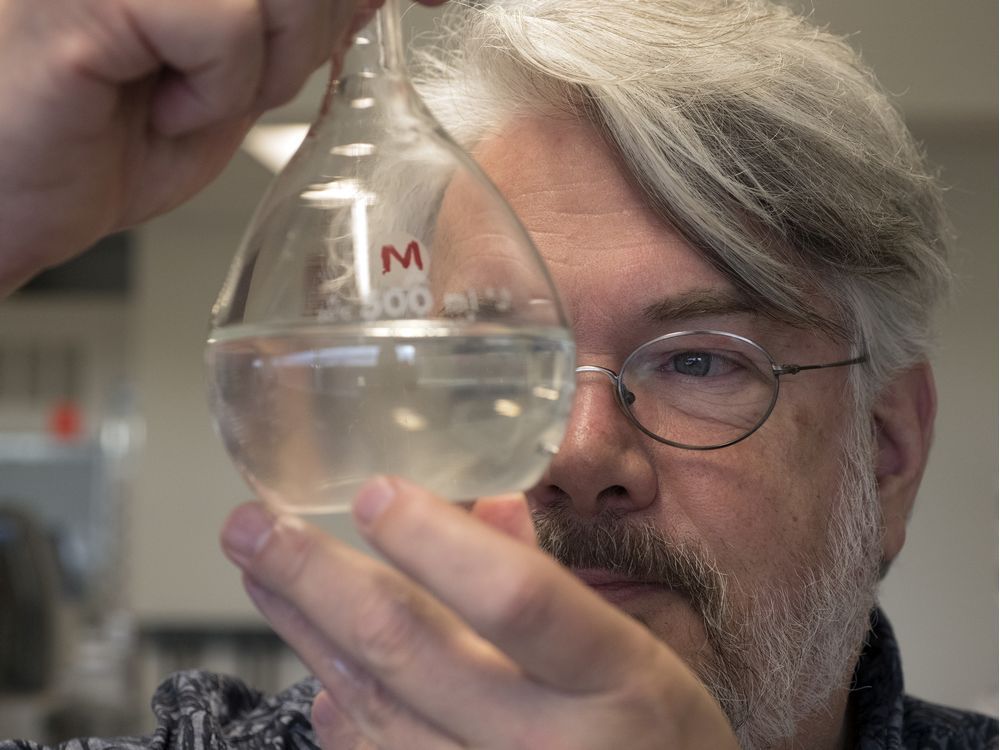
x: 203, y: 711
x: 888, y: 719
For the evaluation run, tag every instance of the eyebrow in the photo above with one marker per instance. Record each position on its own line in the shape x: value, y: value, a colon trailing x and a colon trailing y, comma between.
x: 698, y: 303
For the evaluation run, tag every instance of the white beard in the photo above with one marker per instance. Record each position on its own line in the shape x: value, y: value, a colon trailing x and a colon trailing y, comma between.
x: 779, y: 662
x: 777, y: 655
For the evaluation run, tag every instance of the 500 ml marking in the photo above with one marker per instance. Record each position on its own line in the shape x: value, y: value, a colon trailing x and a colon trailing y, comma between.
x: 418, y: 302
x: 394, y: 302
x: 412, y: 299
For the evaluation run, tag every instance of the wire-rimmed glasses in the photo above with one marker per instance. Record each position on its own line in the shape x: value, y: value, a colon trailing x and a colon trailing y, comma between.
x: 701, y: 390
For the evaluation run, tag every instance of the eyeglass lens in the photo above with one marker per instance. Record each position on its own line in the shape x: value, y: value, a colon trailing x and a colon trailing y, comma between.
x: 699, y: 390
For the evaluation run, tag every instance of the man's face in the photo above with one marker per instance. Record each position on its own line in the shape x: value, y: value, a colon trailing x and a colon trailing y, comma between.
x: 760, y: 511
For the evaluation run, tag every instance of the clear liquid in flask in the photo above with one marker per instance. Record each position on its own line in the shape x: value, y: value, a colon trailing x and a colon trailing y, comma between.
x: 309, y: 413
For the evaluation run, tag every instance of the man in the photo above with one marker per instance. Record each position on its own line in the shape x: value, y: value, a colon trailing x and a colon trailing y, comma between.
x: 684, y: 167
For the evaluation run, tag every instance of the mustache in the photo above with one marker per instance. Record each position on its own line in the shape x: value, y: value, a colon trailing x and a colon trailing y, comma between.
x: 634, y: 549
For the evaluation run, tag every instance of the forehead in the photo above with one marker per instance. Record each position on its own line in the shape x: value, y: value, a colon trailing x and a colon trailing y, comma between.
x: 609, y: 254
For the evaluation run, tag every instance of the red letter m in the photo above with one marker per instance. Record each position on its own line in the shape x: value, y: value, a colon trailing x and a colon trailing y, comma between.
x: 412, y: 254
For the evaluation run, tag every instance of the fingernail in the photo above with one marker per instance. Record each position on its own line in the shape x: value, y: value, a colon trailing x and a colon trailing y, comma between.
x: 246, y: 532
x: 324, y: 712
x: 374, y: 497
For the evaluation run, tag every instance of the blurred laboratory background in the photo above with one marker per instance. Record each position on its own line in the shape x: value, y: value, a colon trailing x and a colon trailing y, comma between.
x: 113, y: 485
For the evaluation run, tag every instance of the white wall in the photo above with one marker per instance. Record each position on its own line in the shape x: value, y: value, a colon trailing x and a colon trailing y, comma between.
x: 942, y: 594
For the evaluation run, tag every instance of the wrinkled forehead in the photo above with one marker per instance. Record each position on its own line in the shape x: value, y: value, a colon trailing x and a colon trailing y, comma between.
x: 610, y: 253
x: 600, y: 241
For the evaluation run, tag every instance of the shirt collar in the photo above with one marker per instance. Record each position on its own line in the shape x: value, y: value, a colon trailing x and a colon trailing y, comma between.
x: 877, y: 689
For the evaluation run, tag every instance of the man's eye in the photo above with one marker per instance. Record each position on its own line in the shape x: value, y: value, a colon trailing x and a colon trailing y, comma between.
x: 691, y: 363
x: 701, y: 364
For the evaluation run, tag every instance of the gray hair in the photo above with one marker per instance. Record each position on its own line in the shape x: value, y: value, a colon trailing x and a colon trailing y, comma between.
x: 759, y: 137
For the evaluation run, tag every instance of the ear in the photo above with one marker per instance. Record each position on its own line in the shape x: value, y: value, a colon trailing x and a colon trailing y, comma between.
x: 904, y: 424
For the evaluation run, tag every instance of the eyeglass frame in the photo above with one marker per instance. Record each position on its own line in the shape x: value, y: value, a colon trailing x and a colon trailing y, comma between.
x: 622, y: 394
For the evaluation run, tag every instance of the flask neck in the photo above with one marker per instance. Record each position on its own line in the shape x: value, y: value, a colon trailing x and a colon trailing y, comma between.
x: 378, y: 47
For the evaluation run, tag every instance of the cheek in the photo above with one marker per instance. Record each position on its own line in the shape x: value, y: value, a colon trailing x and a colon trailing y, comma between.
x: 761, y: 505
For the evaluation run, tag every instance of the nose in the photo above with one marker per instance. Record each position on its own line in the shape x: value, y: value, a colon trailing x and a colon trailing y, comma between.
x: 604, y: 463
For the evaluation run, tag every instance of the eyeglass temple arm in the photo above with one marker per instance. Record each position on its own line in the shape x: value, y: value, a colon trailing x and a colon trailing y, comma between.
x: 793, y: 369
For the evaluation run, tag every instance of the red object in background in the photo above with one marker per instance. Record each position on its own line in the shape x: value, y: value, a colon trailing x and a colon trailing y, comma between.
x: 65, y: 421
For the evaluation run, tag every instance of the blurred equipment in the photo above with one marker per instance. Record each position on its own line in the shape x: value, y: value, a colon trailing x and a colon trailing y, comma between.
x: 28, y: 600
x: 67, y: 641
x: 29, y: 632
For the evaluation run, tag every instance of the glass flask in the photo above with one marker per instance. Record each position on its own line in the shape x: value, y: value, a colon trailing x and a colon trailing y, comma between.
x: 386, y: 312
